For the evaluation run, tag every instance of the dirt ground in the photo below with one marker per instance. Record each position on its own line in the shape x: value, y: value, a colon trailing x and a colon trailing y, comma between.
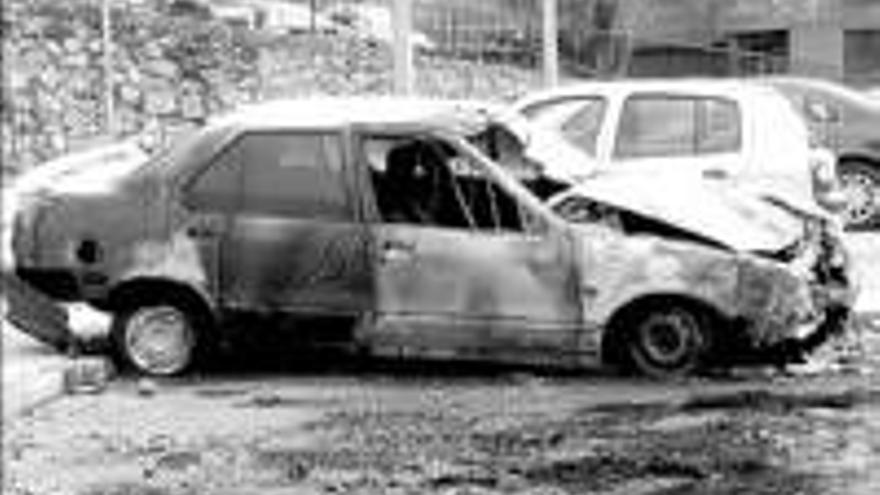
x: 406, y: 429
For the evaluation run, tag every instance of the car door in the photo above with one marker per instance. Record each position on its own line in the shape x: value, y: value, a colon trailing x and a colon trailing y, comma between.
x: 480, y: 275
x: 678, y: 135
x: 291, y: 243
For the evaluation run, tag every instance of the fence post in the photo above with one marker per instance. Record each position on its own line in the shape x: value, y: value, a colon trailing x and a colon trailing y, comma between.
x: 403, y: 50
x: 106, y: 46
x: 550, y: 41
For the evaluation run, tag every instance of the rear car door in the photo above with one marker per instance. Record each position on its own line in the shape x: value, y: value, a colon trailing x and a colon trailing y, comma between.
x: 291, y: 243
x: 687, y: 135
x: 477, y: 274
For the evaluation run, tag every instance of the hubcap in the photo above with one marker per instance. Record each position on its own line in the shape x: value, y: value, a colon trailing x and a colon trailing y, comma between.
x: 159, y: 340
x: 860, y: 192
x: 667, y: 338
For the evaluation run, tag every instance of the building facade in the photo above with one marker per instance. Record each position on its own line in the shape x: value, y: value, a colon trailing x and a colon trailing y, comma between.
x: 835, y: 39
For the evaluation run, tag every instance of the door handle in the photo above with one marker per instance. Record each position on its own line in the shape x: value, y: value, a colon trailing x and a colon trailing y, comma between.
x: 398, y: 245
x: 715, y: 173
x: 396, y: 250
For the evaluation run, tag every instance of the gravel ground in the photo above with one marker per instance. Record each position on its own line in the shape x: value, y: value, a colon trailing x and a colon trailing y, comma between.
x: 417, y: 429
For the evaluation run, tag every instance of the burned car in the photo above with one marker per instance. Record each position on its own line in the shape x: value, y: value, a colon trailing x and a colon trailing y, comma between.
x: 418, y: 229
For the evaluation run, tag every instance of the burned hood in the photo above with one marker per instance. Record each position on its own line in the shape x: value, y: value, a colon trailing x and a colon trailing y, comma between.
x: 735, y: 219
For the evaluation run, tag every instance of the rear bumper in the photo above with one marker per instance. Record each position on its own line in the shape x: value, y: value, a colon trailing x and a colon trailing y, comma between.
x: 35, y: 313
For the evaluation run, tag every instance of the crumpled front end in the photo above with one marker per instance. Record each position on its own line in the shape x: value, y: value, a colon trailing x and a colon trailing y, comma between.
x: 776, y: 304
x: 792, y: 304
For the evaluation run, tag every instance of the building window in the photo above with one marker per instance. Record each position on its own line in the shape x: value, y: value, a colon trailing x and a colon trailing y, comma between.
x: 761, y: 52
x: 861, y: 63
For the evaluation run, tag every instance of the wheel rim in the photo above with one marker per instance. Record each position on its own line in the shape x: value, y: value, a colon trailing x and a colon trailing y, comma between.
x: 860, y: 192
x: 159, y: 340
x: 667, y: 340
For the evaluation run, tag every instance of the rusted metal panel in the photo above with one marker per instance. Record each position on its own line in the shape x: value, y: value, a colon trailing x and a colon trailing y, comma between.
x: 623, y: 268
x: 180, y: 259
x: 775, y: 302
x: 276, y: 263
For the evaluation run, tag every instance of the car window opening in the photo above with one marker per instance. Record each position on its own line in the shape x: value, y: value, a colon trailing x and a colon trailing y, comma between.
x: 426, y: 181
x: 503, y: 147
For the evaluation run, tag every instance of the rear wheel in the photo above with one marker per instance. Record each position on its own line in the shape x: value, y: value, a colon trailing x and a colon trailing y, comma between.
x: 159, y: 338
x: 860, y: 183
x: 667, y: 341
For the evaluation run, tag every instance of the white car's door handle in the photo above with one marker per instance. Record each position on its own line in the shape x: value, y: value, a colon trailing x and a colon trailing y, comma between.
x: 715, y: 173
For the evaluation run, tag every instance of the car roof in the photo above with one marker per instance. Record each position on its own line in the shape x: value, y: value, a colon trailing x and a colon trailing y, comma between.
x: 699, y: 86
x: 831, y: 89
x: 377, y: 112
x: 382, y: 114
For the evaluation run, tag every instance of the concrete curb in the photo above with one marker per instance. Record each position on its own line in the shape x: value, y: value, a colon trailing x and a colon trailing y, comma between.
x: 31, y: 380
x: 33, y: 372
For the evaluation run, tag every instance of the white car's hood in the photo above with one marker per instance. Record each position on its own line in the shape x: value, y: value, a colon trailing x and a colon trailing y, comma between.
x: 738, y: 220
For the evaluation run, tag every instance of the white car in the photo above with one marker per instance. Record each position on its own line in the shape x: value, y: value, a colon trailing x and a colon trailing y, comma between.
x: 734, y: 132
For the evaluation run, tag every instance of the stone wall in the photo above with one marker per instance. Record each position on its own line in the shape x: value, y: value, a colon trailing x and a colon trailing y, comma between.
x: 168, y: 69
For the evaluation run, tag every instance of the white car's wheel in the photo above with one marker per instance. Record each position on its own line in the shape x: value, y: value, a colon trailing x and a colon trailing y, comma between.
x: 861, y: 186
x: 157, y: 339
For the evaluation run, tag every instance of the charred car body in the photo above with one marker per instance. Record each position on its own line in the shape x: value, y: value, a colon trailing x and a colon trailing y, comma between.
x: 421, y: 224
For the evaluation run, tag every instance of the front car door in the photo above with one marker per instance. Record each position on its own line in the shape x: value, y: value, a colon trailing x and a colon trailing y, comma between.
x: 478, y: 272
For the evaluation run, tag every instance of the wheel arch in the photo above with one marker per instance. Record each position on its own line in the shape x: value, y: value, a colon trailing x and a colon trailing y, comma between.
x: 615, y: 331
x: 859, y: 156
x: 140, y: 290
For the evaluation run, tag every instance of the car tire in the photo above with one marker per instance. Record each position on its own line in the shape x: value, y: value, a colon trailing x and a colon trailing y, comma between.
x: 667, y: 341
x: 860, y: 182
x: 159, y: 338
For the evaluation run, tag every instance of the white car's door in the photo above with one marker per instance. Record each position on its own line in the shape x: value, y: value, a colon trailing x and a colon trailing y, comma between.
x: 672, y: 134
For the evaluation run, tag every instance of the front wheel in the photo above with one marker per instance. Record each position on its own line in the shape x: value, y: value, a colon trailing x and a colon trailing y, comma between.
x: 157, y: 339
x: 667, y: 341
x: 860, y: 183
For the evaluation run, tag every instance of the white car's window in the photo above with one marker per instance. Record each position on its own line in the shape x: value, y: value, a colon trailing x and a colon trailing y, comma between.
x: 661, y: 125
x: 720, y: 127
x: 653, y: 126
x: 579, y: 120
